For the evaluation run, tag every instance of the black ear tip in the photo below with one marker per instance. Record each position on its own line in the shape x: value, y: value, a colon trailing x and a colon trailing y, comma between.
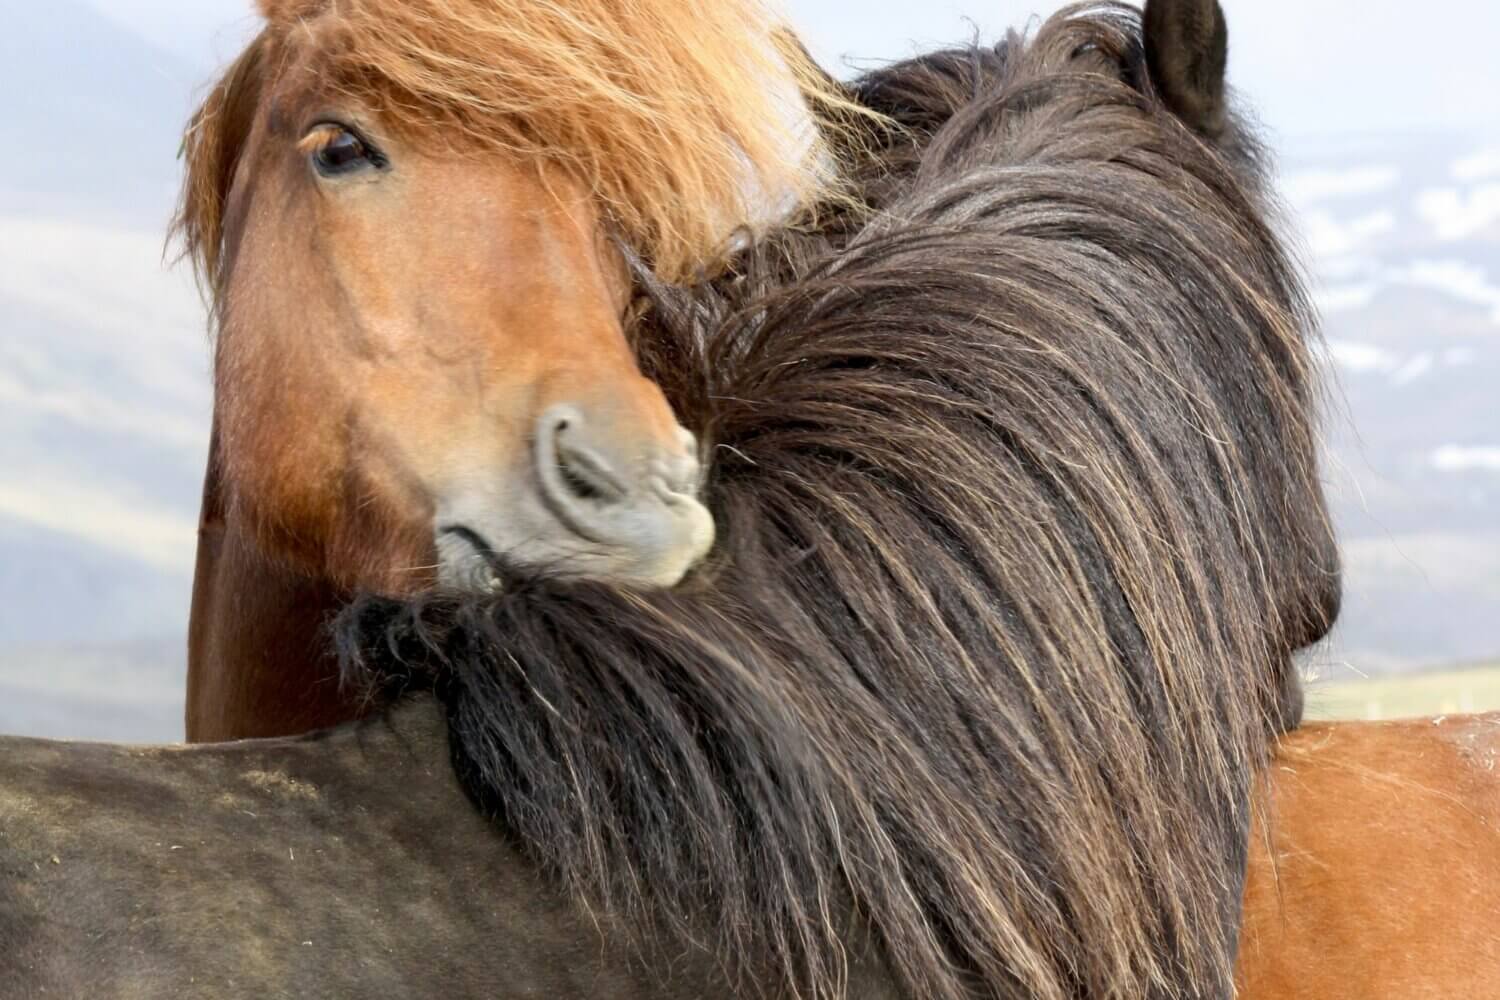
x: 1193, y: 31
x: 1183, y: 11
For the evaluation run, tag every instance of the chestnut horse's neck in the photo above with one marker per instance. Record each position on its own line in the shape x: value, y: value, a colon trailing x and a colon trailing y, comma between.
x: 258, y: 663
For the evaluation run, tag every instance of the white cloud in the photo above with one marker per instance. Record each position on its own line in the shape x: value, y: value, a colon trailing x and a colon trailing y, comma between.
x: 1347, y: 270
x: 1478, y: 166
x: 1457, y: 215
x: 107, y: 303
x: 109, y: 340
x: 1456, y: 278
x: 1328, y: 237
x: 95, y: 411
x: 1413, y: 369
x: 1459, y: 458
x: 104, y: 277
x: 1342, y: 298
x: 1361, y: 358
x: 113, y: 521
x: 1307, y: 187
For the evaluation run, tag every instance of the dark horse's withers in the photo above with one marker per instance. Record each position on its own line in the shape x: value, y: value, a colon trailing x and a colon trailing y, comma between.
x: 343, y: 865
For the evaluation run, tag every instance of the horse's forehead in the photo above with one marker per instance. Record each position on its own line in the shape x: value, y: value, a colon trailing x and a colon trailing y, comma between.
x: 301, y: 76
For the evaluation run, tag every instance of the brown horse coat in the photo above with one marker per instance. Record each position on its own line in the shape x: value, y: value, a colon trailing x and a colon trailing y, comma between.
x: 1380, y: 877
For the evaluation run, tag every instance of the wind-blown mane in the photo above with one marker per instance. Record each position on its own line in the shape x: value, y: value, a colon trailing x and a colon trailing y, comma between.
x: 1019, y: 522
x: 679, y: 124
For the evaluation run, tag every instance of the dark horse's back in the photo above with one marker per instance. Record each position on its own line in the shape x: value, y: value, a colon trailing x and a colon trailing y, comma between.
x: 350, y: 865
x: 347, y: 864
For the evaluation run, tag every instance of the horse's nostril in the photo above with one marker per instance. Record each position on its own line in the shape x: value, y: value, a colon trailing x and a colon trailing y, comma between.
x: 581, y: 488
x: 636, y: 498
x: 585, y: 473
x: 577, y: 477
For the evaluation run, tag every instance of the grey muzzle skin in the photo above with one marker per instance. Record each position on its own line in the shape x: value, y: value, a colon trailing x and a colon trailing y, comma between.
x: 589, y: 507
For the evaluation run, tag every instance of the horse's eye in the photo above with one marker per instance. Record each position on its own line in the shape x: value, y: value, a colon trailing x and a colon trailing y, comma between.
x: 341, y: 152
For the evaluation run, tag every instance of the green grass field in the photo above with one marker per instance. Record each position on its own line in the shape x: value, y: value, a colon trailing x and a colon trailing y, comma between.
x: 1475, y: 689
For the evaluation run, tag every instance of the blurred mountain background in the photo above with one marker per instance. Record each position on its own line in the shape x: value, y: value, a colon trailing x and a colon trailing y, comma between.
x: 1405, y: 235
x: 104, y: 357
x: 104, y: 392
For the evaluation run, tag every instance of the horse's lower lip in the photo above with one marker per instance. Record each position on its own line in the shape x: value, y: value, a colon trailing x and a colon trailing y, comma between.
x: 482, y: 548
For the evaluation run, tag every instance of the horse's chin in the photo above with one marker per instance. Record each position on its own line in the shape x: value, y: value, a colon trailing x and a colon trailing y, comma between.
x: 471, y: 560
x: 466, y: 562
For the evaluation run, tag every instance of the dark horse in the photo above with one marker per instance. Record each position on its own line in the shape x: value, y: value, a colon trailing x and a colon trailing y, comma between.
x: 1019, y: 523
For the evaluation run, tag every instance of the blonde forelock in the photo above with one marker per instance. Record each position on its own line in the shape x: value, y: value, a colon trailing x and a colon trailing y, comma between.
x: 687, y: 119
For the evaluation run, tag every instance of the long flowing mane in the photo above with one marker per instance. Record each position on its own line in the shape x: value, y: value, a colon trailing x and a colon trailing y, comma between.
x: 681, y: 124
x: 1017, y: 501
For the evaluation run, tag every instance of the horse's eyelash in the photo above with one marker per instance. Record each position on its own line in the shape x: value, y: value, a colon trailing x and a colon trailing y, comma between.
x: 316, y: 140
x: 322, y: 134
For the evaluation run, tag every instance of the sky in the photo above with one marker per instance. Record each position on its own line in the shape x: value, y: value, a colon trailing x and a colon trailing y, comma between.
x: 1309, y: 66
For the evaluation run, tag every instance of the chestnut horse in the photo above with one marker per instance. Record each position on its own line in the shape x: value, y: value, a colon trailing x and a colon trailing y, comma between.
x: 404, y: 213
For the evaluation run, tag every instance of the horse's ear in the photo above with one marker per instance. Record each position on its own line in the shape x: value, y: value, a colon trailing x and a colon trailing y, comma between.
x: 1187, y: 50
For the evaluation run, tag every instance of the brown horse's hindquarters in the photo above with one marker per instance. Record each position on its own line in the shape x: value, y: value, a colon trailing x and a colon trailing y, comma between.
x: 1379, y: 876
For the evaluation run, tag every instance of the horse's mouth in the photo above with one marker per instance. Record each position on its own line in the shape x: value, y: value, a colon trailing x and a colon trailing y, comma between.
x: 650, y: 539
x: 467, y: 561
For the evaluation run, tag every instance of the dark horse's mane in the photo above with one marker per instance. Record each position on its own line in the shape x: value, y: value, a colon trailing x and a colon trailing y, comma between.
x: 1020, y: 522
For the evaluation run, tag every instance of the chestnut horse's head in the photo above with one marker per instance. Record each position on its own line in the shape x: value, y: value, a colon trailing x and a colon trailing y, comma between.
x: 406, y: 215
